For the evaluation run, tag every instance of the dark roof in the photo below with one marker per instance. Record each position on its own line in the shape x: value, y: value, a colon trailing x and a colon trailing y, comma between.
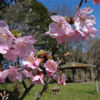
x: 75, y: 64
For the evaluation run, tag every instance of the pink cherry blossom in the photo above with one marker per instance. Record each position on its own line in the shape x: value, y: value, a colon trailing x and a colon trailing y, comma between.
x: 91, y: 32
x: 3, y: 50
x: 25, y: 45
x: 51, y: 66
x: 31, y: 63
x: 12, y: 74
x: 59, y: 29
x: 60, y: 78
x: 3, y: 76
x: 29, y: 60
x: 40, y: 73
x: 59, y: 81
x: 33, y: 68
x: 62, y: 39
x: 82, y: 20
x: 63, y: 81
x: 37, y: 62
x: 77, y: 36
x: 37, y: 79
x: 3, y: 25
x: 6, y: 37
x: 96, y: 1
x: 11, y: 53
x: 25, y: 74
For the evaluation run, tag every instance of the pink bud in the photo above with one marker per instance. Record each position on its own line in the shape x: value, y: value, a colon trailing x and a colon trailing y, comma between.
x: 62, y: 81
x: 59, y: 81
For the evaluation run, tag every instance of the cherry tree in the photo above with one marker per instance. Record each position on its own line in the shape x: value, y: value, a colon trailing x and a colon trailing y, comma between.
x: 13, y: 46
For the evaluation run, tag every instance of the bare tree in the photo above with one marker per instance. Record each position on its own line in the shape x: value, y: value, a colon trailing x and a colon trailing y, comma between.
x: 92, y: 49
x: 64, y: 10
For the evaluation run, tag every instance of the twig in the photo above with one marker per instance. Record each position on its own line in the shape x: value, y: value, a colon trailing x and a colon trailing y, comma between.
x: 36, y: 95
x: 85, y: 1
x: 24, y: 85
x: 26, y: 91
x: 60, y: 61
x: 3, y: 63
x: 54, y: 50
x: 80, y: 4
x: 44, y: 87
x: 3, y: 97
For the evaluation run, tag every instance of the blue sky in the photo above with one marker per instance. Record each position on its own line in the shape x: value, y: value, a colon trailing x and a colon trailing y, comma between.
x: 52, y: 3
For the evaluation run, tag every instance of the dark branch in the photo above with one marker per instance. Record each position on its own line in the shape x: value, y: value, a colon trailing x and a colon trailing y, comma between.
x: 54, y: 50
x: 85, y: 1
x: 26, y: 92
x: 80, y: 4
x: 44, y: 88
x: 24, y: 85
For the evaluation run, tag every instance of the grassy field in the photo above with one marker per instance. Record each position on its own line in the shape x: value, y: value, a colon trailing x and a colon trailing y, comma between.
x: 71, y: 91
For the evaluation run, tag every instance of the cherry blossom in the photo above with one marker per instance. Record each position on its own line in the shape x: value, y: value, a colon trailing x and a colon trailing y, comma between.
x: 29, y: 60
x: 33, y: 65
x: 82, y: 20
x: 77, y: 36
x: 51, y: 66
x: 91, y: 32
x: 6, y: 37
x: 11, y: 53
x: 60, y: 78
x: 59, y: 29
x: 36, y: 79
x: 25, y: 45
x: 12, y: 74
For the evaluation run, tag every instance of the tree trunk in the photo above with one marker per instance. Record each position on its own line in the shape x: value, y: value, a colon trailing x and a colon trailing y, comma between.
x: 96, y: 83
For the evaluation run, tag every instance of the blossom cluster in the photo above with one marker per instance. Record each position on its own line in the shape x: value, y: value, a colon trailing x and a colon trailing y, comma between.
x: 22, y: 47
x: 62, y: 30
x: 11, y: 47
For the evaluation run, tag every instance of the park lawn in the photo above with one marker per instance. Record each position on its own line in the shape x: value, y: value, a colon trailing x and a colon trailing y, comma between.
x: 71, y: 91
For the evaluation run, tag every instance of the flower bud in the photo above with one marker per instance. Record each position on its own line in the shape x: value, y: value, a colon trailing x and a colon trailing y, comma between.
x: 71, y: 20
x: 15, y: 36
x: 6, y: 98
x: 60, y: 72
x: 4, y: 93
x: 66, y: 18
x: 1, y: 94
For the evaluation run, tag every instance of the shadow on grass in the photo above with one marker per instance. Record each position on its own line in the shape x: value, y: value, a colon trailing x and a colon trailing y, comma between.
x: 14, y: 95
x: 92, y: 92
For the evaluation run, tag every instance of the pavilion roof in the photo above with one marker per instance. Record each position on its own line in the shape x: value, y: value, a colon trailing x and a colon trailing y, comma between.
x: 75, y: 64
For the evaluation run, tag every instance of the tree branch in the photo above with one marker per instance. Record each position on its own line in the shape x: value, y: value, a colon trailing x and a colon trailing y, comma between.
x: 80, y: 4
x: 85, y: 1
x: 24, y: 85
x: 44, y: 87
x: 54, y: 50
x: 26, y: 91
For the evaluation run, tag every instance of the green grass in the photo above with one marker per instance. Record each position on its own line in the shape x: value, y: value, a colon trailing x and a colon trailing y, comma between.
x: 70, y: 91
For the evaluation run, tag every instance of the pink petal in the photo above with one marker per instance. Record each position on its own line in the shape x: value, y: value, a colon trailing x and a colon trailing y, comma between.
x: 4, y: 75
x: 3, y: 50
x: 3, y: 25
x: 26, y: 73
x: 10, y: 56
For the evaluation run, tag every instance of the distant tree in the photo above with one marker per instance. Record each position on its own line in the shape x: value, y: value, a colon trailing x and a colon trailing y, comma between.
x: 92, y: 51
x: 30, y: 17
x: 4, y: 3
x: 63, y: 9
